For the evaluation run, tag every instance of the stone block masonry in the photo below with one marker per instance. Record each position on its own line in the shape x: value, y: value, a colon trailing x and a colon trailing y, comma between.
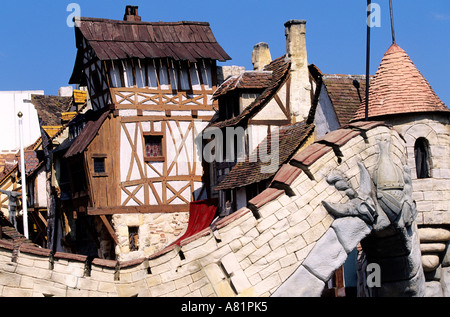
x: 291, y: 248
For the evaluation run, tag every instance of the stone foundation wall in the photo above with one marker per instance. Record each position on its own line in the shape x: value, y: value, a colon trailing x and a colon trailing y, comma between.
x: 155, y: 232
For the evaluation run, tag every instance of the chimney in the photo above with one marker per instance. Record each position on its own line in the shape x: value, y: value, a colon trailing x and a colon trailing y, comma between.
x: 131, y: 14
x: 261, y: 56
x: 300, y: 91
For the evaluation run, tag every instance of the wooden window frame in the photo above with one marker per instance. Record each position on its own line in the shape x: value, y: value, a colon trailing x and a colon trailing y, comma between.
x: 99, y: 156
x: 163, y: 148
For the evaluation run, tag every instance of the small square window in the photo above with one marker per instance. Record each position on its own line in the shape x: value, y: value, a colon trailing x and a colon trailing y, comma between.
x: 99, y: 165
x: 133, y: 235
x: 153, y: 150
x: 99, y: 162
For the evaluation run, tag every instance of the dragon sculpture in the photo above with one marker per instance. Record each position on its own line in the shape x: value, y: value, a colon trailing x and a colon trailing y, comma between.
x: 384, y: 201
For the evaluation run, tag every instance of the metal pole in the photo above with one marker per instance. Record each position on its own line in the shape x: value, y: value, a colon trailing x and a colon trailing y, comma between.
x: 392, y: 21
x: 23, y: 177
x: 369, y: 5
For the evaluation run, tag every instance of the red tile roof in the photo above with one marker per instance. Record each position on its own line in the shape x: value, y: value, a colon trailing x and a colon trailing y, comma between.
x: 31, y: 161
x: 345, y: 95
x: 398, y: 87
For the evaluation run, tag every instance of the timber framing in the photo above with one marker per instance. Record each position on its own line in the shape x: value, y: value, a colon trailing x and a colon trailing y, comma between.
x: 145, y: 209
x: 158, y: 85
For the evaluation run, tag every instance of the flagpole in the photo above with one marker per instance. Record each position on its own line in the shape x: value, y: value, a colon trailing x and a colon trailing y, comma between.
x: 369, y: 6
x: 24, y: 177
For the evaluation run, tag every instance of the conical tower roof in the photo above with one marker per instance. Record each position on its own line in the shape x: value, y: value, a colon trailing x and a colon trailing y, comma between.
x: 398, y: 87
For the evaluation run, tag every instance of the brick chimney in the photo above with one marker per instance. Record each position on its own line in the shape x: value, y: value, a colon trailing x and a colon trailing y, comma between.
x: 261, y: 56
x: 300, y: 91
x: 131, y: 14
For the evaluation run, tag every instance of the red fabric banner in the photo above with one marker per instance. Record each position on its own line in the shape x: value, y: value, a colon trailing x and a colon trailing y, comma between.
x: 201, y: 214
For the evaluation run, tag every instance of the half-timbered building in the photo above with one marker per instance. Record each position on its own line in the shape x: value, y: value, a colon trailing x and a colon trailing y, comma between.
x: 135, y: 162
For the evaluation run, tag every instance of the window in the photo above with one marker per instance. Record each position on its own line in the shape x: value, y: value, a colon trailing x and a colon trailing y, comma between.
x: 422, y: 156
x: 99, y: 165
x: 152, y: 74
x: 128, y: 73
x: 99, y: 161
x: 140, y: 74
x: 114, y: 72
x: 133, y: 235
x: 153, y: 150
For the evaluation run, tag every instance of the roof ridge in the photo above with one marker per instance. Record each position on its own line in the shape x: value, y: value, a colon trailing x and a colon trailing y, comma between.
x: 87, y: 19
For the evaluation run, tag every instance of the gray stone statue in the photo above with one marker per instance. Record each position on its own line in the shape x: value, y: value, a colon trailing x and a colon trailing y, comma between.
x: 12, y: 205
x: 384, y: 201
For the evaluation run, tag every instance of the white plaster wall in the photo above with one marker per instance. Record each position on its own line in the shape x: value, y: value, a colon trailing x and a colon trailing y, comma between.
x: 11, y: 102
x: 325, y: 119
x: 41, y: 191
x: 257, y: 133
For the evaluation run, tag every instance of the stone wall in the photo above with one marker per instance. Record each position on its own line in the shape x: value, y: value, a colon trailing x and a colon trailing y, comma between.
x: 432, y: 195
x: 155, y: 232
x: 278, y: 241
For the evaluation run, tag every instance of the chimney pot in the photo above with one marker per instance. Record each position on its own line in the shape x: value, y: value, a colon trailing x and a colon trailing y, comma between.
x: 131, y: 13
x: 300, y: 92
x: 261, y: 56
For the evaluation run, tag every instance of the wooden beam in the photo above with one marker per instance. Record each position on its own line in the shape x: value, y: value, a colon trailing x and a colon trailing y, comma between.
x: 146, y: 209
x: 109, y: 228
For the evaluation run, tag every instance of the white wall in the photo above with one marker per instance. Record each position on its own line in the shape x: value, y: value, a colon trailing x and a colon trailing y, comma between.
x: 325, y: 119
x: 11, y: 102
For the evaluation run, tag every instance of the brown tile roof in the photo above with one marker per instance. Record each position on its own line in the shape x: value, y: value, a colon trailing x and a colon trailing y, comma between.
x: 49, y: 108
x: 248, y: 172
x: 32, y: 161
x: 113, y: 39
x: 247, y: 80
x: 280, y: 69
x: 87, y: 134
x: 398, y: 87
x: 344, y: 94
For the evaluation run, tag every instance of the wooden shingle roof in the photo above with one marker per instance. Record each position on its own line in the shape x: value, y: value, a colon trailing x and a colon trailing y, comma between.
x: 114, y: 39
x: 398, y: 88
x: 88, y: 133
x: 246, y: 80
x: 280, y: 70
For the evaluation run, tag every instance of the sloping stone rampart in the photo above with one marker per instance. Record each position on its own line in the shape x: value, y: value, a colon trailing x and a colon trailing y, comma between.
x: 279, y: 242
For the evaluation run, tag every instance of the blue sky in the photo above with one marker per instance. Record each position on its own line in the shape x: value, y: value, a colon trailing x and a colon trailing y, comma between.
x: 38, y: 48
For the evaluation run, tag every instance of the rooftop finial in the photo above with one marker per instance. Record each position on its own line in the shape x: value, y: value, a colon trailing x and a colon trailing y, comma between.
x: 392, y: 21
